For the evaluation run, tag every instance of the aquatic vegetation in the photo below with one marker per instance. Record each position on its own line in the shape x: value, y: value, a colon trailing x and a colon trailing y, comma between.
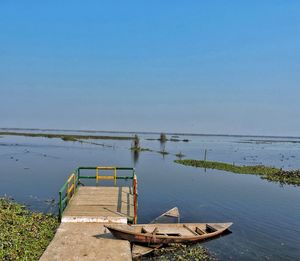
x: 24, y: 235
x: 145, y: 149
x: 179, y: 155
x: 182, y: 252
x: 141, y: 149
x: 269, y: 173
x: 258, y: 170
x: 285, y: 177
x: 67, y: 137
x: 163, y: 152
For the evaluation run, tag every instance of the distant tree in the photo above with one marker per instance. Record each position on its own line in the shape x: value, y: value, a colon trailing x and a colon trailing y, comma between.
x: 163, y: 137
x: 136, y: 143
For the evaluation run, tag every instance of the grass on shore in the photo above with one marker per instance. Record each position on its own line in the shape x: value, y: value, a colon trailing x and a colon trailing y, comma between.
x: 268, y: 173
x: 24, y: 235
x: 67, y: 137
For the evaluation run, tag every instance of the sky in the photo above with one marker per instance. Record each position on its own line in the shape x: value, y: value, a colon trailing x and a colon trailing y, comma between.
x: 219, y: 67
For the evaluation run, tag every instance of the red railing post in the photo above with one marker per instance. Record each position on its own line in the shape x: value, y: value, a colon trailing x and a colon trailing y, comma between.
x: 135, y: 194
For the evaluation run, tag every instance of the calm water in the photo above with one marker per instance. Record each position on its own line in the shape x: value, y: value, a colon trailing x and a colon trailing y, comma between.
x: 266, y: 215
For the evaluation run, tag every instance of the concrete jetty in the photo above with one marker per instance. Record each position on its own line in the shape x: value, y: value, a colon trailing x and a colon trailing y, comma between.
x: 81, y: 234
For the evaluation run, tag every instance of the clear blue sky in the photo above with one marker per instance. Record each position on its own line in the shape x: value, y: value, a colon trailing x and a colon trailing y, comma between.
x: 188, y: 66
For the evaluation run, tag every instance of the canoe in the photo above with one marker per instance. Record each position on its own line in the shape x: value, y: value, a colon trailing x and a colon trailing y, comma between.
x: 172, y: 215
x: 167, y: 233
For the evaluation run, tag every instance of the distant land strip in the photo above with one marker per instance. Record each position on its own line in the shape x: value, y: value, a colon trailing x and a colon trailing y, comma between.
x: 157, y: 132
x: 291, y: 177
x: 66, y: 137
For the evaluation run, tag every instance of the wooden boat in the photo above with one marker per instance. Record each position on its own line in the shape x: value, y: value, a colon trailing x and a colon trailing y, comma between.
x: 172, y: 215
x: 167, y: 233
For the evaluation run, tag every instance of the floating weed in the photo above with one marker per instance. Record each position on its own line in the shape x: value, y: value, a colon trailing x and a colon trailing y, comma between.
x: 24, y: 235
x: 163, y: 152
x: 182, y: 252
x: 270, y: 173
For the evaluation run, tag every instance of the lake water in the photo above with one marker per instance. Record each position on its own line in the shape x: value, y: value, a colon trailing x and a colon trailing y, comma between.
x: 266, y: 215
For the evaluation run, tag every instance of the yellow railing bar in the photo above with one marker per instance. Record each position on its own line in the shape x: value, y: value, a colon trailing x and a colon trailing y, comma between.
x: 114, y: 177
x: 106, y: 177
x: 71, y: 186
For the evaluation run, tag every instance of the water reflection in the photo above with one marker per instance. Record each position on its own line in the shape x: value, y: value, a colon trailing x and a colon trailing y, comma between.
x: 162, y: 145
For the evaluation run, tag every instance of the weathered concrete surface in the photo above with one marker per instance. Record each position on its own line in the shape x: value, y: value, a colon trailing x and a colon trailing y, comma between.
x: 86, y: 241
x: 82, y: 236
x: 100, y: 204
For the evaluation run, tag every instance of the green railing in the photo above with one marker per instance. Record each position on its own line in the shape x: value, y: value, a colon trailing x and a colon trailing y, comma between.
x: 69, y: 188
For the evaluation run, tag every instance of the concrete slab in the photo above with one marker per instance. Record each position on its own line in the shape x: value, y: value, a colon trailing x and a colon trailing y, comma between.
x: 86, y: 241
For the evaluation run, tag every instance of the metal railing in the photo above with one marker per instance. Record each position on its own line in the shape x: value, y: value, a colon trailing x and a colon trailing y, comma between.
x: 69, y: 188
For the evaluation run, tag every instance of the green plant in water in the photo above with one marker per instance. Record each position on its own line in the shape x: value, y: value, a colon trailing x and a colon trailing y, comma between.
x: 269, y: 173
x: 69, y: 138
x: 163, y: 152
x: 183, y: 252
x: 24, y: 235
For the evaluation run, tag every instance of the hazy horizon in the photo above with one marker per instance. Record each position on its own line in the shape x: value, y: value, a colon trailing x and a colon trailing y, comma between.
x: 148, y: 132
x: 199, y: 67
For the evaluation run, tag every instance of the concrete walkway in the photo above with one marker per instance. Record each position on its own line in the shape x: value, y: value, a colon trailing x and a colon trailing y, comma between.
x: 82, y: 235
x: 86, y: 241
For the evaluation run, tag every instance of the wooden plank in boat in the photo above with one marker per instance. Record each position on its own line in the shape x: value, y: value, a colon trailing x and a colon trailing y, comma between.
x: 168, y: 230
x: 189, y: 229
x: 200, y: 231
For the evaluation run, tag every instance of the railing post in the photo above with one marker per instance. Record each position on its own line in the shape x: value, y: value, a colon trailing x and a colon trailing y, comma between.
x: 60, y: 207
x: 115, y: 176
x: 135, y: 195
x: 78, y: 175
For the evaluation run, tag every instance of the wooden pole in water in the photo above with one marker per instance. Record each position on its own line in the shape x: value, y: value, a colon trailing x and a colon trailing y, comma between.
x: 205, y: 154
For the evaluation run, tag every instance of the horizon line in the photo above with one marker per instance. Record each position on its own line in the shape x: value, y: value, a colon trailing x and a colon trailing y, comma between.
x: 154, y: 132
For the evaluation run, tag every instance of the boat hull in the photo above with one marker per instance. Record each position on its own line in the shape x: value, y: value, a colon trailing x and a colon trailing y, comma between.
x: 152, y: 238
